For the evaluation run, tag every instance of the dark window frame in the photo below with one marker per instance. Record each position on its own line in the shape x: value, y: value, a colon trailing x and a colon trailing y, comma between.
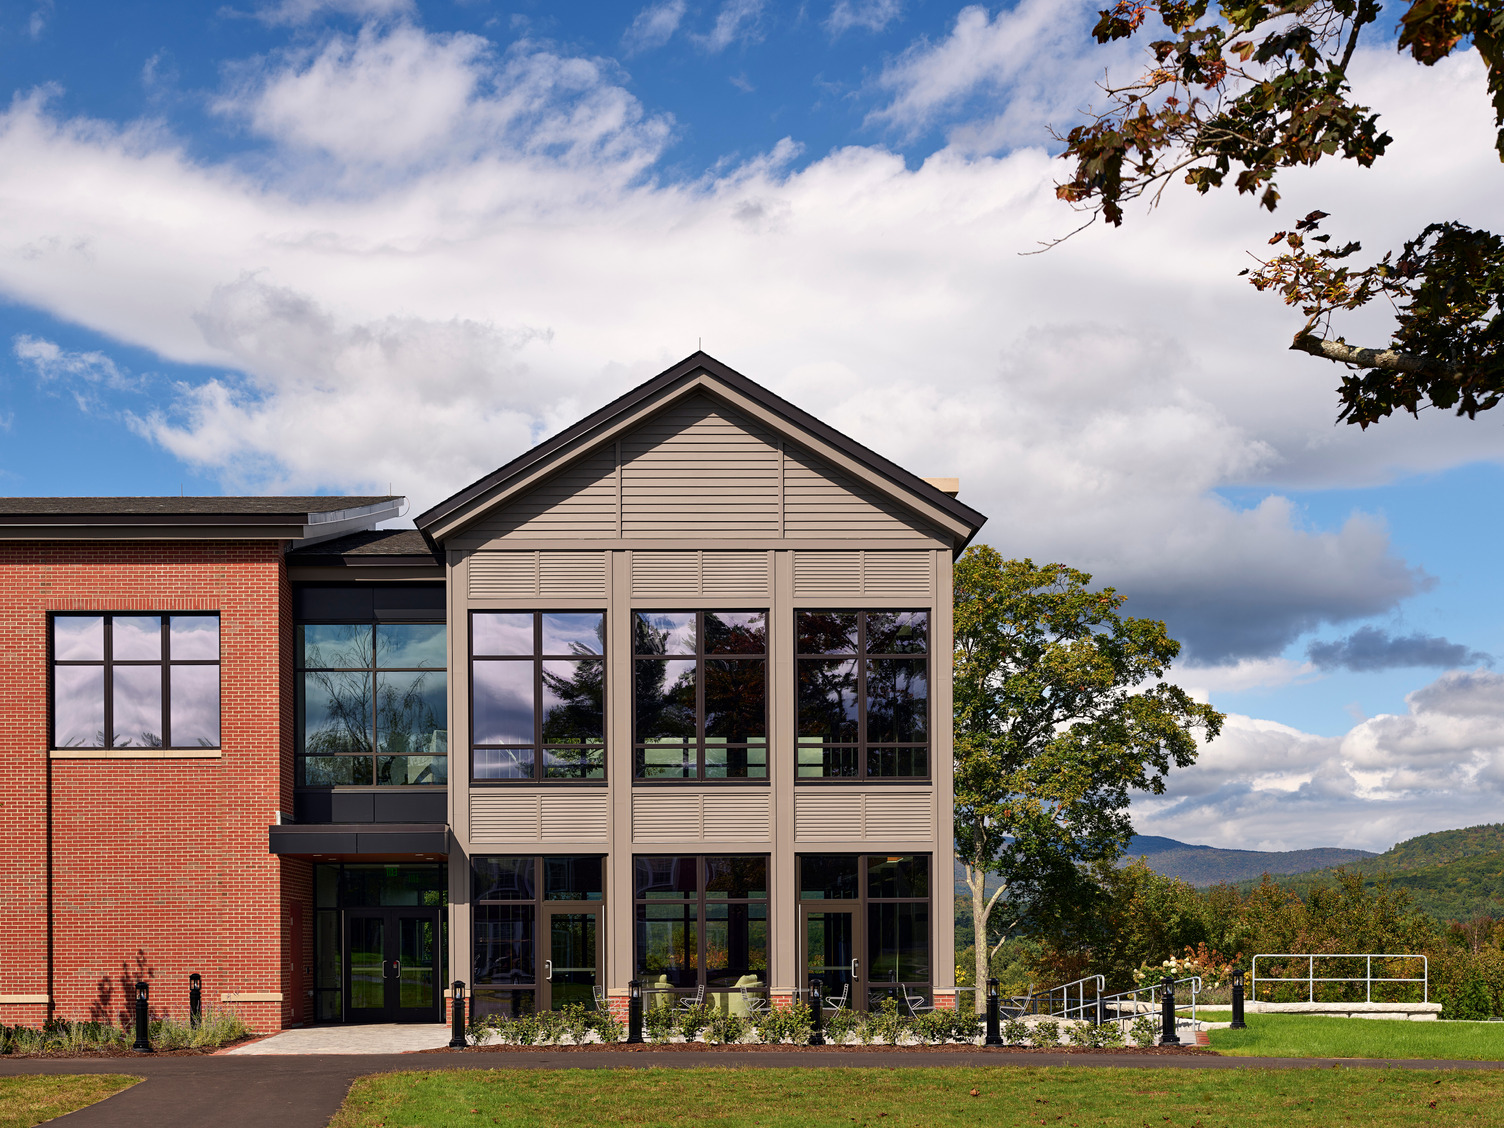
x: 107, y: 662
x: 537, y: 658
x: 864, y: 902
x: 700, y: 657
x: 373, y: 753
x: 701, y: 901
x: 860, y: 656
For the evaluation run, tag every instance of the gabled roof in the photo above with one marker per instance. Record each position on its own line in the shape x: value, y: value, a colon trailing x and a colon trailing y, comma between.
x: 700, y: 372
x: 304, y: 519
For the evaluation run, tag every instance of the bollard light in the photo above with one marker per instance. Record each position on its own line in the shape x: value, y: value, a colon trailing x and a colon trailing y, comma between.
x: 1167, y: 1035
x: 195, y: 1000
x: 143, y: 1022
x: 1237, y: 1000
x: 457, y: 1032
x: 994, y: 1030
x: 816, y: 1014
x: 634, y: 1012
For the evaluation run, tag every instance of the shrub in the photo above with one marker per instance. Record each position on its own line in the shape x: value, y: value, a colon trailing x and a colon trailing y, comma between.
x: 605, y: 1025
x: 1015, y: 1031
x: 660, y: 1024
x: 1046, y: 1033
x: 1466, y: 997
x: 793, y: 1023
x: 888, y: 1023
x: 694, y: 1019
x: 1079, y: 1034
x: 725, y: 1028
x: 842, y: 1025
x: 1107, y: 1035
x: 1144, y: 1031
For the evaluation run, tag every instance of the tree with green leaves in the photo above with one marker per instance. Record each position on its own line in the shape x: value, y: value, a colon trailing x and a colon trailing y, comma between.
x: 1061, y: 712
x: 1238, y: 91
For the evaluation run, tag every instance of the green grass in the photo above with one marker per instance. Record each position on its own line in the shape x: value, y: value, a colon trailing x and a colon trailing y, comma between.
x: 995, y: 1097
x: 30, y: 1099
x: 1298, y: 1035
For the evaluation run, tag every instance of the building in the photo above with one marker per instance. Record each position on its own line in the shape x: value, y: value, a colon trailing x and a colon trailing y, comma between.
x: 664, y: 699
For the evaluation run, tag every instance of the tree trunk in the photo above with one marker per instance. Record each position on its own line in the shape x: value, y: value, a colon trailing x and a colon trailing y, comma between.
x: 976, y: 881
x: 1389, y: 360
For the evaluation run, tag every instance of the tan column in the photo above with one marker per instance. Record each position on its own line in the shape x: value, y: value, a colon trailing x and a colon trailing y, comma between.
x: 942, y: 895
x: 783, y: 904
x: 618, y: 927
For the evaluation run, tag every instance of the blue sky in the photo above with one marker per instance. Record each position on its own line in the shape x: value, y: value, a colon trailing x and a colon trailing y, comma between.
x: 334, y: 245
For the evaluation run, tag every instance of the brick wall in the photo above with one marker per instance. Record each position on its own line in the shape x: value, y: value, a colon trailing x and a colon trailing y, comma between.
x: 159, y: 866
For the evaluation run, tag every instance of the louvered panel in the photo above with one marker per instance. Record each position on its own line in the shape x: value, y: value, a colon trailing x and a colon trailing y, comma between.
x: 827, y: 814
x: 581, y: 501
x: 503, y: 575
x: 665, y: 817
x: 898, y: 573
x: 735, y: 574
x: 572, y: 575
x: 504, y: 816
x: 569, y: 816
x: 738, y: 817
x: 898, y: 816
x: 667, y: 575
x: 834, y: 574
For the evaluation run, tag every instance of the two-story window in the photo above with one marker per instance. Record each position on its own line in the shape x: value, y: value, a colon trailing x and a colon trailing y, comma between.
x: 135, y: 681
x: 537, y: 695
x: 700, y: 689
x: 863, y: 694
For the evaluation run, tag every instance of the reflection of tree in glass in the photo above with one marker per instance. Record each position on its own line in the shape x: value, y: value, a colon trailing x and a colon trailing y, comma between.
x: 735, y: 637
x: 827, y: 699
x: 579, y: 718
x: 405, y: 718
x: 346, y: 724
x: 662, y: 712
x: 827, y: 633
x: 897, y: 696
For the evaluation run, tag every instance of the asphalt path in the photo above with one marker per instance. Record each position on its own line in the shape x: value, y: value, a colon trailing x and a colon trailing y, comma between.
x: 305, y: 1090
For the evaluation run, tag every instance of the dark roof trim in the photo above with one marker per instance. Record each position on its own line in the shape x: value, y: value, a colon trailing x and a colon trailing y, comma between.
x: 300, y: 519
x: 664, y: 382
x: 358, y: 838
x: 181, y: 509
x: 370, y: 548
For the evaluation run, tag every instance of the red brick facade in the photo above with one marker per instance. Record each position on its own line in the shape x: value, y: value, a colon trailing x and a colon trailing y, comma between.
x: 159, y: 866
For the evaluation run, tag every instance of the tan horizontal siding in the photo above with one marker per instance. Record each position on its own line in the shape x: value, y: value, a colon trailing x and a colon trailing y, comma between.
x: 674, y: 815
x: 866, y: 572
x: 520, y: 575
x: 831, y: 814
x: 563, y: 815
x: 580, y: 500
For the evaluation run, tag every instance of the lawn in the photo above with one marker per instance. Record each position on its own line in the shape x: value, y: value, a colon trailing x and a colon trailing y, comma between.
x: 995, y: 1096
x: 1298, y: 1035
x: 31, y: 1099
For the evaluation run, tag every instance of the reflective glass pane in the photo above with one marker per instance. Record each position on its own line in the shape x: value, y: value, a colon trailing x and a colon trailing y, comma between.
x: 574, y: 633
x: 78, y: 638
x: 898, y: 632
x: 417, y: 944
x: 736, y: 876
x: 736, y: 945
x: 193, y: 637
x: 137, y: 706
x: 420, y: 645
x: 736, y: 699
x: 898, y: 942
x: 504, y: 1002
x: 501, y: 878
x: 78, y: 706
x: 412, y: 713
x: 502, y: 702
x: 368, y: 884
x: 663, y: 632
x: 574, y: 763
x: 136, y: 638
x: 827, y: 699
x: 828, y: 877
x: 665, y: 705
x: 574, y: 697
x: 829, y: 950
x: 572, y: 879
x: 572, y: 948
x: 736, y: 632
x: 326, y: 953
x: 735, y: 761
x: 367, y: 963
x: 826, y: 632
x: 336, y: 713
x: 403, y: 771
x: 494, y: 633
x: 326, y: 886
x: 336, y: 771
x: 665, y: 877
x: 898, y: 762
x: 667, y: 759
x: 505, y: 946
x: 904, y: 876
x: 897, y: 700
x: 668, y: 946
x: 195, y: 705
x: 340, y: 646
x: 818, y: 760
x: 503, y: 763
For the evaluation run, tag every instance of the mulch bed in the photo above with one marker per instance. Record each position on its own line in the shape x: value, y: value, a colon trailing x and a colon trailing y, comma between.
x: 125, y: 1052
x: 756, y: 1048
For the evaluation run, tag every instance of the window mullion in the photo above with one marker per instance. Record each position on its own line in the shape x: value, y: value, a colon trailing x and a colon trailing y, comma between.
x: 109, y: 681
x: 166, y: 684
x: 861, y: 695
x: 699, y: 695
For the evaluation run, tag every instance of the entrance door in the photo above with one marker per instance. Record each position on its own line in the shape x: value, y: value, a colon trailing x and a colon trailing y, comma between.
x: 573, y: 966
x: 392, y: 971
x: 832, y: 943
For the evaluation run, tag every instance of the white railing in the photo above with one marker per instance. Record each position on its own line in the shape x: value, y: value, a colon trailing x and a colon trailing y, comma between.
x: 1131, y: 1001
x: 1310, y: 979
x: 1056, y: 1001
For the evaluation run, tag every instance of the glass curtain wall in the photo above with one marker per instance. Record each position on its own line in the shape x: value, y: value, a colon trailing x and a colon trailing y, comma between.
x: 865, y: 923
x: 701, y: 922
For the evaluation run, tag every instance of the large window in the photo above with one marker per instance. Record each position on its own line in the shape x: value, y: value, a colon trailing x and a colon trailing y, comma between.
x: 536, y: 932
x: 537, y: 695
x: 700, y: 683
x: 863, y: 694
x: 701, y: 921
x: 135, y: 681
x: 372, y: 704
x: 866, y: 923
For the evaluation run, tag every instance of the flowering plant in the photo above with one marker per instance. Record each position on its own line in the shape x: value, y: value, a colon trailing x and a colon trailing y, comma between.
x: 1213, y: 968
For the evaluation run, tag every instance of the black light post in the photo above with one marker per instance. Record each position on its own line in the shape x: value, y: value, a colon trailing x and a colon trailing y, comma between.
x: 1237, y: 1000
x: 143, y: 1042
x: 634, y: 1012
x: 994, y: 1033
x: 1167, y: 1035
x: 195, y: 1000
x: 457, y: 1010
x: 816, y: 1014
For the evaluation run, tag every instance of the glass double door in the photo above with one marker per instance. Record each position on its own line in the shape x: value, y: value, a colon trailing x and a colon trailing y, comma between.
x: 393, y: 965
x: 831, y: 936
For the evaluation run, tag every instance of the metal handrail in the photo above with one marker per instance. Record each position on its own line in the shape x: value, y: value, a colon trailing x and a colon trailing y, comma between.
x: 1194, y: 982
x: 1030, y: 1003
x: 1311, y: 979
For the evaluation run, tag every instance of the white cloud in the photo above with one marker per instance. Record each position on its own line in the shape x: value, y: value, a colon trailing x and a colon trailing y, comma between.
x: 86, y: 376
x: 737, y: 20
x: 292, y: 13
x: 653, y: 26
x: 870, y: 15
x: 40, y: 15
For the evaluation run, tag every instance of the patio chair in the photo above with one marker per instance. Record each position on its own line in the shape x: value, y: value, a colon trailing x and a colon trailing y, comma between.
x: 917, y: 1004
x: 600, y: 997
x: 694, y: 1000
x: 841, y: 1001
x: 755, y: 1004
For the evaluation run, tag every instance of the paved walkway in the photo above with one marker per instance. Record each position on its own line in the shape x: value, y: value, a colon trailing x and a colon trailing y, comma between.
x: 377, y: 1038
x: 304, y: 1091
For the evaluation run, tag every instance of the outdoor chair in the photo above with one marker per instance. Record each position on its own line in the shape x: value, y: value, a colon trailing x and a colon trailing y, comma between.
x: 841, y: 1001
x: 753, y: 1004
x: 694, y: 1000
x: 916, y: 1003
x: 600, y: 997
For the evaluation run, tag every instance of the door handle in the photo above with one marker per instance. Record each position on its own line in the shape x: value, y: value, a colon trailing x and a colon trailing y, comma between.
x: 854, y: 973
x: 396, y: 969
x: 548, y: 969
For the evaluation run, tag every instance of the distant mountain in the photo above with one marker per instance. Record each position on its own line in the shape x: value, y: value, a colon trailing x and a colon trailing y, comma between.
x: 1210, y: 865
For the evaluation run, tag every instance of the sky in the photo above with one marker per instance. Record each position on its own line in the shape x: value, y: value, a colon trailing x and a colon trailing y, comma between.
x: 360, y: 245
